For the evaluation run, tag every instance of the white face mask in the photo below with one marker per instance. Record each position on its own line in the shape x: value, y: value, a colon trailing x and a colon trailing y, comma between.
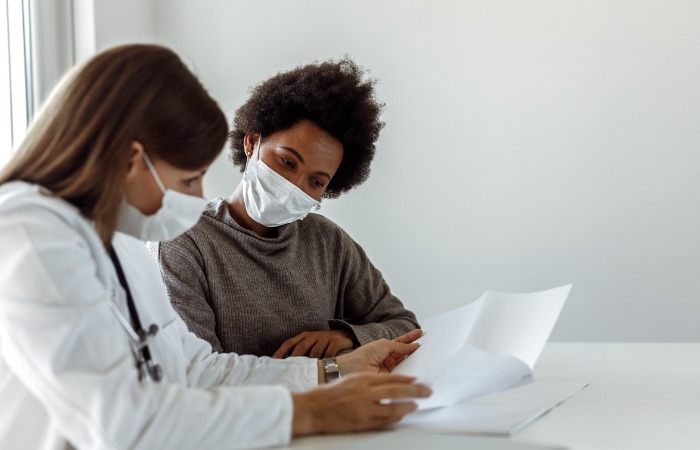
x: 269, y: 198
x: 177, y: 214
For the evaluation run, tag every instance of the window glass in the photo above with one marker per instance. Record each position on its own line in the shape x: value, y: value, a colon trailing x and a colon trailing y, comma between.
x: 5, y: 105
x: 15, y: 73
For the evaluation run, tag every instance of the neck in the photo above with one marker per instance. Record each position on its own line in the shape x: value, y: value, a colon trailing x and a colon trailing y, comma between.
x: 236, y: 207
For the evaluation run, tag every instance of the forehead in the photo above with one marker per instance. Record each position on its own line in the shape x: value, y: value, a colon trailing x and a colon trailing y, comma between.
x: 318, y: 149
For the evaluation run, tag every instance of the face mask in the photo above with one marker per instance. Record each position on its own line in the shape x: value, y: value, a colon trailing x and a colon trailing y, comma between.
x: 177, y: 214
x: 269, y: 198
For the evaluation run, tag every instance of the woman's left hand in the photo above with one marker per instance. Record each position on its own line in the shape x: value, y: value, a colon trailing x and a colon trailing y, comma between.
x: 380, y: 356
x: 315, y: 344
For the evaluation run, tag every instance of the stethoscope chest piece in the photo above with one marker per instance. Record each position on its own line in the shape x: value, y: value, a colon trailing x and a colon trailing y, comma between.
x: 140, y: 338
x: 148, y: 369
x: 144, y: 364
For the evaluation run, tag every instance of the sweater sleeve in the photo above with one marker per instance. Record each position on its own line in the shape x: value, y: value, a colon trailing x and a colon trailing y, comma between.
x: 366, y: 306
x: 183, y: 270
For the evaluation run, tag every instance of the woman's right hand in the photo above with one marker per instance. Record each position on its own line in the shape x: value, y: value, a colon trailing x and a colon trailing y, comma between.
x: 354, y: 403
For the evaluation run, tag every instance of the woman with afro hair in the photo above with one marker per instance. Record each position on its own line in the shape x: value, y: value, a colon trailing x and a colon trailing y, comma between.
x: 261, y: 275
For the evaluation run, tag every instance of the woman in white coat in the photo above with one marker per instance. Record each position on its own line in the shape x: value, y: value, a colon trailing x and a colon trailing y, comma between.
x: 92, y: 355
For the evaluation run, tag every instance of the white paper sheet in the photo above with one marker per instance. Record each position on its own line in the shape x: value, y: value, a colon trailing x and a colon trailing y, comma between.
x: 504, y: 413
x: 517, y: 324
x: 487, y: 346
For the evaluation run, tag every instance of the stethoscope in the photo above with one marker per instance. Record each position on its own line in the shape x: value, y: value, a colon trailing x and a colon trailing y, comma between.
x: 140, y: 338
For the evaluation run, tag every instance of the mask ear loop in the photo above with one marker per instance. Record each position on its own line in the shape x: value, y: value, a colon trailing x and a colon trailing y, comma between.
x: 245, y: 169
x: 152, y: 168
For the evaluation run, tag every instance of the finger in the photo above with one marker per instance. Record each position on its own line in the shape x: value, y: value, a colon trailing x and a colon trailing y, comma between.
x: 302, y: 348
x: 394, y: 410
x: 373, y: 422
x: 400, y: 391
x: 391, y: 414
x: 287, y: 346
x: 402, y: 349
x: 318, y: 350
x: 336, y: 345
x: 392, y: 361
x: 410, y: 336
x: 379, y: 379
x: 333, y: 349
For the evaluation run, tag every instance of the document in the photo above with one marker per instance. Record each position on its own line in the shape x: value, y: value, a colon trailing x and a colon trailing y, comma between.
x: 502, y: 414
x: 486, y: 346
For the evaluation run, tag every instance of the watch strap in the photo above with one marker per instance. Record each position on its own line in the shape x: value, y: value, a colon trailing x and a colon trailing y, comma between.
x: 330, y: 365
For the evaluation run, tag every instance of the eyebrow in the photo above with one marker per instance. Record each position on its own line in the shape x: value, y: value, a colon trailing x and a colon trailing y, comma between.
x: 296, y: 153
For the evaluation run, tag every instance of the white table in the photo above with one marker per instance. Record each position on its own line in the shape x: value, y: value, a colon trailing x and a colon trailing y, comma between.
x: 642, y: 396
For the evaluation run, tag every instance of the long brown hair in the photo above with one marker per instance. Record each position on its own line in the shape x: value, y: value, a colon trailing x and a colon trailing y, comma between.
x: 78, y: 145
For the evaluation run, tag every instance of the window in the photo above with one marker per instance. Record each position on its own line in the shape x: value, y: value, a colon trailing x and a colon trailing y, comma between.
x: 15, y: 74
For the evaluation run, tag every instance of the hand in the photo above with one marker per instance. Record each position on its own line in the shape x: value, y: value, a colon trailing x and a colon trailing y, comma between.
x: 379, y: 356
x: 315, y: 344
x: 354, y: 403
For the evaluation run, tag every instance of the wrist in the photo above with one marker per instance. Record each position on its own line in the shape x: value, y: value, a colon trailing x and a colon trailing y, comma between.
x: 302, y: 418
x: 344, y: 364
x: 321, y: 372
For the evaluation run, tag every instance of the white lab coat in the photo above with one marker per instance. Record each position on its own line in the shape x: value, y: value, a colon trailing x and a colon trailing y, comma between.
x: 67, y: 373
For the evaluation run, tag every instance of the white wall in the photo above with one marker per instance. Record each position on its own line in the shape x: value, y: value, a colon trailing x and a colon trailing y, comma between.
x: 52, y: 46
x: 122, y: 21
x: 528, y: 144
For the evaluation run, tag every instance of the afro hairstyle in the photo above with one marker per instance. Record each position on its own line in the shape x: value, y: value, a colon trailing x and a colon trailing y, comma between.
x: 334, y: 95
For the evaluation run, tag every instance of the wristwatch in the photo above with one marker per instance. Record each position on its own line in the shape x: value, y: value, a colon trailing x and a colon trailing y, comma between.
x: 330, y: 365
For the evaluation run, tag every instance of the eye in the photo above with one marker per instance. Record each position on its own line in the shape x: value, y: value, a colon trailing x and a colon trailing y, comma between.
x: 287, y: 162
x: 191, y: 182
x: 317, y: 183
